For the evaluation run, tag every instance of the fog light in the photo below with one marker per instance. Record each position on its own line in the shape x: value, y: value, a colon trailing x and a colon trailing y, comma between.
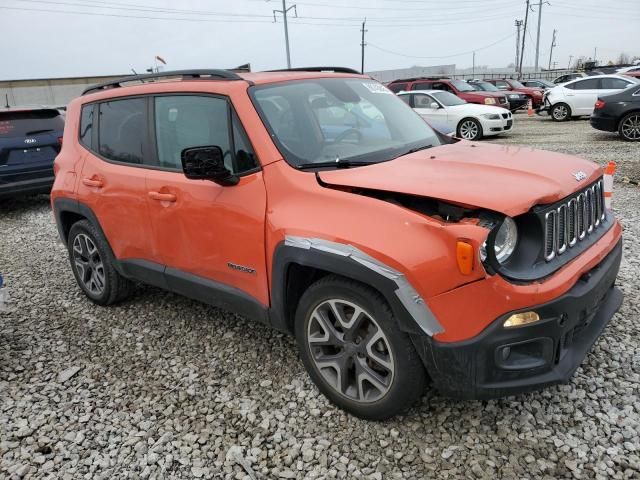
x: 519, y: 319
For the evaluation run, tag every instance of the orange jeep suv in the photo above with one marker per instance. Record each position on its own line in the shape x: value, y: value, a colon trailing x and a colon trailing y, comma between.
x: 319, y: 203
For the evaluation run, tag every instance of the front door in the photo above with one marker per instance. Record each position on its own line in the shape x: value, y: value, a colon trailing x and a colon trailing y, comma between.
x: 202, y: 230
x: 430, y: 110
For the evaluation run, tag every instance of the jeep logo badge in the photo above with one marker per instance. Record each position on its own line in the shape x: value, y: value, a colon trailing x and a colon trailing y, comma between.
x: 579, y: 176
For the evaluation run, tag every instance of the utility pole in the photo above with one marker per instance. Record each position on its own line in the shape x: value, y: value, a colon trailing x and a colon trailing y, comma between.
x: 473, y: 68
x: 540, y: 2
x: 595, y: 53
x: 284, y: 12
x: 553, y: 44
x: 518, y: 25
x: 524, y: 36
x: 570, y: 58
x: 362, y: 44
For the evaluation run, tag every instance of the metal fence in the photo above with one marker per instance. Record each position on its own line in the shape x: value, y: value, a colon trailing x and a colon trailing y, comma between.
x: 545, y: 75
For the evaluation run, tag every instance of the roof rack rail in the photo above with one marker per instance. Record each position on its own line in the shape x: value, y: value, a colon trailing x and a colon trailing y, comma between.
x: 183, y: 74
x: 317, y: 69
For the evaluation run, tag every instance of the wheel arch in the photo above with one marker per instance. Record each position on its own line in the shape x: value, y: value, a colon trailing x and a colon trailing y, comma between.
x: 296, y: 267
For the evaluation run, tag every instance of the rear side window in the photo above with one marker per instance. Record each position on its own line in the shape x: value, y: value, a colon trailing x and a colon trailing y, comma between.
x: 614, y: 83
x: 30, y: 122
x: 185, y: 121
x: 398, y: 87
x: 122, y: 130
x: 86, y: 126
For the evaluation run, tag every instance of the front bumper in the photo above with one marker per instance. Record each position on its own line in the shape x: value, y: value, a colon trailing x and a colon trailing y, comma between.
x: 500, y: 361
x: 496, y: 127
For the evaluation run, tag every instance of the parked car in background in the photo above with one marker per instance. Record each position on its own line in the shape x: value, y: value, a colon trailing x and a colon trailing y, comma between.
x: 577, y: 98
x: 628, y: 70
x: 470, y: 121
x: 30, y: 139
x: 631, y: 74
x: 508, y: 84
x: 398, y: 261
x: 619, y: 112
x: 516, y: 100
x: 458, y: 87
x: 568, y: 77
x: 538, y: 83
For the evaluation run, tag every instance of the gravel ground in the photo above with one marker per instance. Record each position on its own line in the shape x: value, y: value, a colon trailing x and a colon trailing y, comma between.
x: 163, y: 387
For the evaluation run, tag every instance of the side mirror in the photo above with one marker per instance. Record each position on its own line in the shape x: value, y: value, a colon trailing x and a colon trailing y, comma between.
x: 434, y: 106
x: 207, y: 163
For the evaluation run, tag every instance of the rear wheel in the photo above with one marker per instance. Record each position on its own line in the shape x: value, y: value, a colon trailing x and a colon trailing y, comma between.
x: 93, y: 265
x: 561, y: 112
x: 354, y: 352
x: 469, y: 129
x: 629, y: 127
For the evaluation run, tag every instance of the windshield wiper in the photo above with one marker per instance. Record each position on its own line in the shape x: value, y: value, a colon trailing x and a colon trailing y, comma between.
x: 414, y: 150
x: 335, y: 163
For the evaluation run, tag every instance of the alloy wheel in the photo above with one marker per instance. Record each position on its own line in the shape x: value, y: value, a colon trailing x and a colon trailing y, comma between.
x: 560, y: 112
x: 88, y: 264
x: 469, y: 130
x: 631, y: 127
x: 350, y: 350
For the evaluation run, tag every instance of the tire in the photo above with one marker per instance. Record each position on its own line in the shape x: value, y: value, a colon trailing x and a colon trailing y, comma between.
x: 383, y: 372
x: 560, y: 112
x: 93, y: 265
x: 629, y: 127
x: 469, y: 129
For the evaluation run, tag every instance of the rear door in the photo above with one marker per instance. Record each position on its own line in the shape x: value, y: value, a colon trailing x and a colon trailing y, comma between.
x: 582, y: 95
x: 113, y: 179
x: 29, y: 143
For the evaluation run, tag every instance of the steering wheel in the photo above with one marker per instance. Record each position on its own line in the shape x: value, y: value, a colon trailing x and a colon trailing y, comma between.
x: 340, y: 138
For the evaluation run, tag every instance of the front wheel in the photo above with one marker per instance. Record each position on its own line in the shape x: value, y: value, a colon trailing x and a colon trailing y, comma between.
x: 469, y: 129
x: 560, y: 112
x: 629, y: 128
x: 354, y: 352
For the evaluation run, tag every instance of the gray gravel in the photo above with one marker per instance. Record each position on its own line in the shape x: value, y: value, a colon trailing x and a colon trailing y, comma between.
x: 163, y: 387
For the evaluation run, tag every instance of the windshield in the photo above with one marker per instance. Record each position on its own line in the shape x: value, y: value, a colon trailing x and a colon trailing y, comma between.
x: 516, y: 84
x: 340, y: 119
x: 486, y: 86
x: 462, y: 86
x: 448, y: 99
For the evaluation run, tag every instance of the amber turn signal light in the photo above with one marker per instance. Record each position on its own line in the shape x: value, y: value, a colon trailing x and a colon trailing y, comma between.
x: 519, y: 319
x: 464, y: 256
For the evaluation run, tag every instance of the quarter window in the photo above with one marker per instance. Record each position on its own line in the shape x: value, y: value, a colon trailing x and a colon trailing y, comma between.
x: 185, y: 121
x: 614, y: 83
x: 86, y: 126
x: 122, y: 130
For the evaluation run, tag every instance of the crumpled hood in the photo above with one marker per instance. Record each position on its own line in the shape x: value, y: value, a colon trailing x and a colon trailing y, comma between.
x: 506, y: 179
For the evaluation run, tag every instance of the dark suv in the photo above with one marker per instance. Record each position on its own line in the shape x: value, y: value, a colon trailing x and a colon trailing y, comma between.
x: 30, y: 139
x: 458, y: 87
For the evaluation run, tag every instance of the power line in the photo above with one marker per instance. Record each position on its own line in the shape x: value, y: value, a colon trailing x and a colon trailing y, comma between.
x: 440, y: 56
x: 284, y: 13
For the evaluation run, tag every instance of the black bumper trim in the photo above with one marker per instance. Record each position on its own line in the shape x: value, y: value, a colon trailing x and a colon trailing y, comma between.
x: 26, y: 187
x: 544, y: 353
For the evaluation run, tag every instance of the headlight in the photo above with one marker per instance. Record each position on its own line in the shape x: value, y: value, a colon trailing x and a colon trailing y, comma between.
x: 537, y: 93
x: 491, y: 116
x: 505, y: 241
x: 489, y: 101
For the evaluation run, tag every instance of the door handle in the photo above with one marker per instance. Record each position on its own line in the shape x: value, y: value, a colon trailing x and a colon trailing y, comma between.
x: 162, y: 197
x: 93, y: 182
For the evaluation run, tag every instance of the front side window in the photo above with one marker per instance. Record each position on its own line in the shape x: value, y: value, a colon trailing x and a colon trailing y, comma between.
x: 486, y: 86
x: 335, y: 119
x: 589, y: 84
x: 122, y: 130
x: 462, y: 86
x: 515, y: 84
x: 185, y: 121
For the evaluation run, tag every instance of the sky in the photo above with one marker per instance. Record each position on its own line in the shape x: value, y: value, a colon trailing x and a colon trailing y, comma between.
x: 63, y: 38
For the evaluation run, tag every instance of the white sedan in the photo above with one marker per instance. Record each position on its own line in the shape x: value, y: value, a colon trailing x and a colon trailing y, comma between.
x: 578, y: 97
x: 469, y: 120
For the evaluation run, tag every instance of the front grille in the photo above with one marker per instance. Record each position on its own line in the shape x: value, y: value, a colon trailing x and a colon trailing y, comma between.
x: 573, y: 220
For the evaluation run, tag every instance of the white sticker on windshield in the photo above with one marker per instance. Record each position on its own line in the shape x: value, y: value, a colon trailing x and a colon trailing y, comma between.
x: 375, y: 87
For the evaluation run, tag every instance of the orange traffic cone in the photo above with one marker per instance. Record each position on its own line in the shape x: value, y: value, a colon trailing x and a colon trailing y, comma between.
x: 609, y: 170
x: 530, y: 108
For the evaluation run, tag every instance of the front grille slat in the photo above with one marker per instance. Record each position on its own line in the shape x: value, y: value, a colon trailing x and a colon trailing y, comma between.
x: 573, y: 220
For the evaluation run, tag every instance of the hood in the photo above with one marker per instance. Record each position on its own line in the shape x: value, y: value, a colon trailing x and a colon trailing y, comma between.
x: 501, y: 178
x: 482, y: 93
